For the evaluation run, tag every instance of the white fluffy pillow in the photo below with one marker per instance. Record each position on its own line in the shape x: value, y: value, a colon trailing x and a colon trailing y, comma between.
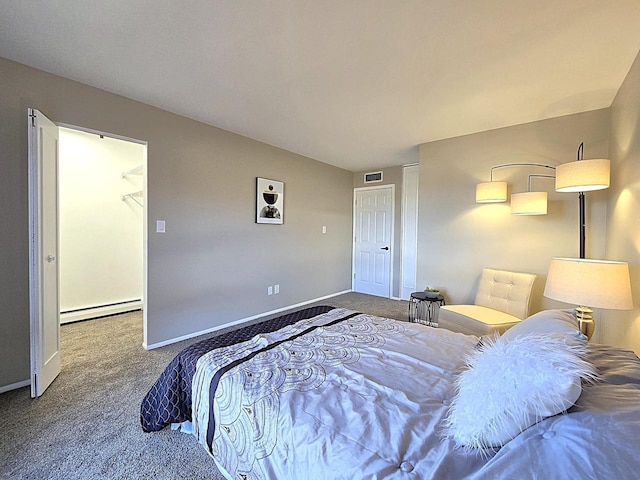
x: 510, y: 385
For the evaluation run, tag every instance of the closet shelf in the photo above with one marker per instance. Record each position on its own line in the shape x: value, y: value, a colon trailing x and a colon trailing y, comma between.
x: 134, y: 196
x: 134, y: 171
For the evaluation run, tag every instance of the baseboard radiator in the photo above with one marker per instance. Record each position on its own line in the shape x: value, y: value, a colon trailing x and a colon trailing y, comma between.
x: 100, y: 311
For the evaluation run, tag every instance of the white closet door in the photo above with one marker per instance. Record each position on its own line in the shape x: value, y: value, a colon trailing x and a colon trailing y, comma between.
x: 409, y: 257
x: 44, y: 276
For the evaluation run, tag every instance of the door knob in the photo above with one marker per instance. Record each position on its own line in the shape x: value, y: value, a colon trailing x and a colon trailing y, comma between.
x: 384, y: 248
x: 50, y: 258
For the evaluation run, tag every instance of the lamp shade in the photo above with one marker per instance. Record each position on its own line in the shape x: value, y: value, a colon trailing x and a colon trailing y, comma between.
x: 529, y: 203
x: 583, y: 175
x: 596, y: 283
x: 491, y: 192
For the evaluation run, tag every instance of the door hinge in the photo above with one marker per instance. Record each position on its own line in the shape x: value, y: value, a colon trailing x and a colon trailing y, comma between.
x: 33, y: 119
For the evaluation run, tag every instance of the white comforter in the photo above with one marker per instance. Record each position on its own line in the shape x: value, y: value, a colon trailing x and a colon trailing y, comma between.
x: 361, y: 398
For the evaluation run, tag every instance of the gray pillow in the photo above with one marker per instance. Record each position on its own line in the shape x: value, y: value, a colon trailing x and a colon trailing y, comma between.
x: 547, y: 321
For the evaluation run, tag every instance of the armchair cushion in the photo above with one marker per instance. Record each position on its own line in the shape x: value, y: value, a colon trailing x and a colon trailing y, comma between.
x: 508, y: 292
x: 475, y: 319
x: 502, y: 300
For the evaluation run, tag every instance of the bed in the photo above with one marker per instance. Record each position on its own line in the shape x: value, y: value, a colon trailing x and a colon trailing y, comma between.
x: 329, y: 393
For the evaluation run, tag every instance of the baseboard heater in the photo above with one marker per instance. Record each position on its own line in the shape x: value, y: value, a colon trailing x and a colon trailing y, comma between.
x: 100, y: 311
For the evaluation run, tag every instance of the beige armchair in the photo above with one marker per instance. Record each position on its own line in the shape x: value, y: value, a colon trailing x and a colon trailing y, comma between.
x: 502, y: 300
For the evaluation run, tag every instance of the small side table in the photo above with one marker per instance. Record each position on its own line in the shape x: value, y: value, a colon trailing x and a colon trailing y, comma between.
x: 423, y: 308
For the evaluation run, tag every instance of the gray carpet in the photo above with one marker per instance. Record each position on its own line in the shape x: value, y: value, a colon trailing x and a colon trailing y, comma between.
x: 86, y: 425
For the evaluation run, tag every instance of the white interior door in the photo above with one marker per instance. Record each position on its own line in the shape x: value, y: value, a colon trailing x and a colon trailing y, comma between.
x: 409, y: 257
x: 43, y: 252
x: 373, y: 228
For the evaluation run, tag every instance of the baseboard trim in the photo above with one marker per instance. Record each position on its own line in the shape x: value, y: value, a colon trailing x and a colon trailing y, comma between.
x: 15, y: 386
x: 100, y: 311
x: 238, y: 322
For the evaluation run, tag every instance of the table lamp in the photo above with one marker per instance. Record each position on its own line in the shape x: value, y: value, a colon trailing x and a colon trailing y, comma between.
x: 596, y: 283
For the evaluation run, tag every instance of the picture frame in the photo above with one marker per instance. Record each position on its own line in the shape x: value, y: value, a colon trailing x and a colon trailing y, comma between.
x: 269, y: 201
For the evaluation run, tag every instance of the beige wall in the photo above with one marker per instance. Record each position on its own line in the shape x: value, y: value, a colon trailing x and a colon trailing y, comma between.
x: 458, y: 237
x: 390, y: 176
x: 214, y: 263
x: 623, y: 220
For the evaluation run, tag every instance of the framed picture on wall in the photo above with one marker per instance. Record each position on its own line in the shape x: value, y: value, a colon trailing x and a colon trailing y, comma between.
x: 269, y: 201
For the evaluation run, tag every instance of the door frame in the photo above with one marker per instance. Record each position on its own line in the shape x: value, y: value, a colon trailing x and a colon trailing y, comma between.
x: 145, y: 211
x: 392, y: 234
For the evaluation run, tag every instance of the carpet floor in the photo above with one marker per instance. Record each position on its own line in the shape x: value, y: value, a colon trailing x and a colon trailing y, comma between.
x: 86, y: 425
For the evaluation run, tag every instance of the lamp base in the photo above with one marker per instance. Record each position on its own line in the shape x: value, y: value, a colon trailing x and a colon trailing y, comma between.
x: 585, y: 320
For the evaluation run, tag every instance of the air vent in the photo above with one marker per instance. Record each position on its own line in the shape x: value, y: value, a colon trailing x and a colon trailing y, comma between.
x: 372, y: 177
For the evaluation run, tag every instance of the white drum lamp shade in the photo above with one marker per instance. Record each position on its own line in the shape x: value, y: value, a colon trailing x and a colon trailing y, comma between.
x: 529, y: 203
x: 596, y: 283
x: 491, y: 192
x: 583, y: 175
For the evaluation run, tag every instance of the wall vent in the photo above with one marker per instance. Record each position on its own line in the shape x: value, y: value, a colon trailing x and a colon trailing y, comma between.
x: 372, y: 177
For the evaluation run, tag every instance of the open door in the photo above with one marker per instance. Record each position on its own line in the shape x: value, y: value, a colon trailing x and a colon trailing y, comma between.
x: 43, y: 252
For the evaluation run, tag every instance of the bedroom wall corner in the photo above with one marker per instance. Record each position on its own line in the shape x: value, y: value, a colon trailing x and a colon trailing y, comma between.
x: 458, y: 237
x: 622, y: 328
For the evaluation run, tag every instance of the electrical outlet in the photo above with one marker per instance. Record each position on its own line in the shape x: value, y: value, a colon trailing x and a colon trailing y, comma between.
x: 276, y: 289
x: 269, y: 290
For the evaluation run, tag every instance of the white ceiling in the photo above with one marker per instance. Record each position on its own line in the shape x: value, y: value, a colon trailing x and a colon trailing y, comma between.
x: 353, y: 83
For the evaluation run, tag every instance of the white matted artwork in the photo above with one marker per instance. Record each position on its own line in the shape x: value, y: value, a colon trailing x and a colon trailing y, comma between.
x: 269, y: 201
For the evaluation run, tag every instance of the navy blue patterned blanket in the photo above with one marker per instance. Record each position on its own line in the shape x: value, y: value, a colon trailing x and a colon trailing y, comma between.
x: 169, y: 399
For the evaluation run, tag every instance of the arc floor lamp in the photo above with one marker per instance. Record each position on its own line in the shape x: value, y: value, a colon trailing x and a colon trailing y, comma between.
x: 583, y: 176
x: 580, y: 281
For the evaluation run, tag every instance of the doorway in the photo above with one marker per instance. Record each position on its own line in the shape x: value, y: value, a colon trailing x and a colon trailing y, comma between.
x: 373, y: 240
x: 101, y: 199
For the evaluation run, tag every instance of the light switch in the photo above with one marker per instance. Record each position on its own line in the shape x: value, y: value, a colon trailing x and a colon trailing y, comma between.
x: 160, y: 226
x: 324, y: 229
